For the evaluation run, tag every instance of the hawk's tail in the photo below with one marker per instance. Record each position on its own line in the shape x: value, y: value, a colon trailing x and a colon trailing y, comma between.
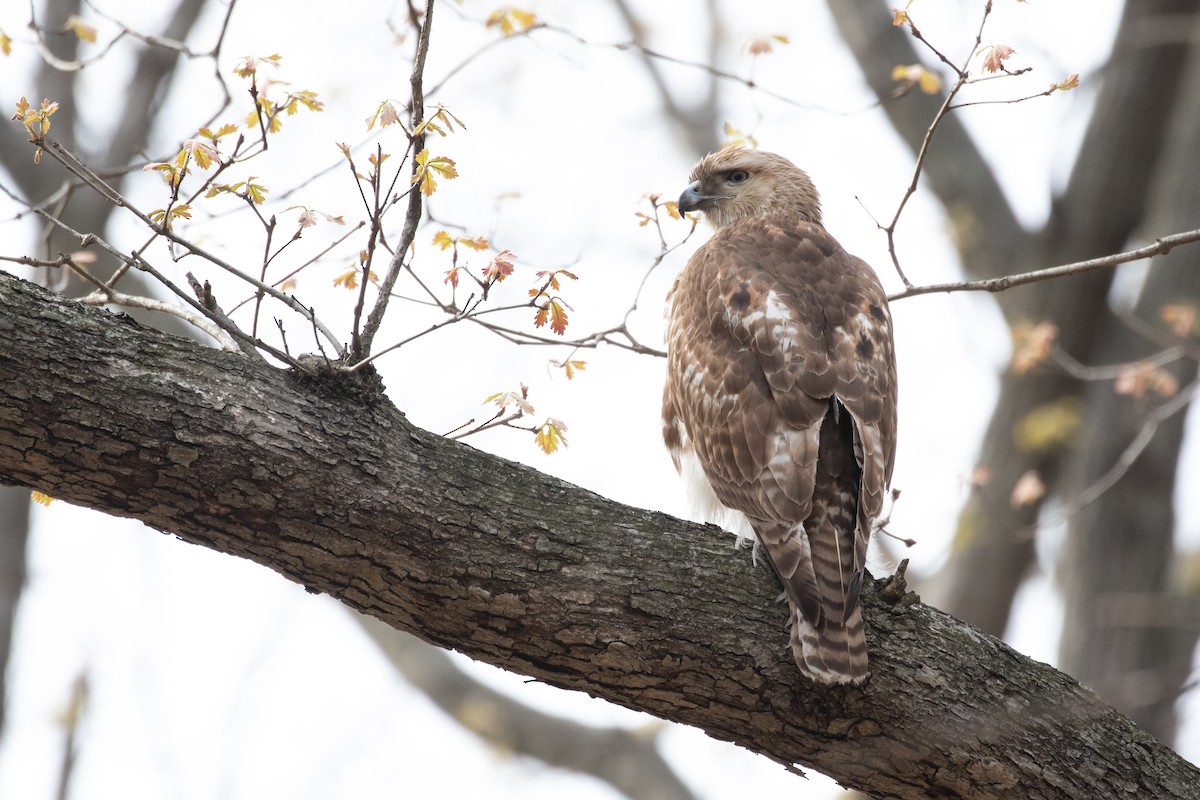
x: 821, y: 585
x: 820, y: 562
x: 832, y: 653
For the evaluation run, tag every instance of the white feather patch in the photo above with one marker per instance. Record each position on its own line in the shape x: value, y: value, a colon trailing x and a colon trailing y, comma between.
x: 704, y: 503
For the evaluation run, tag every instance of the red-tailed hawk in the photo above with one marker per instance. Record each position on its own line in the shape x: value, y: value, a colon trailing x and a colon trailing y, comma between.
x: 780, y: 401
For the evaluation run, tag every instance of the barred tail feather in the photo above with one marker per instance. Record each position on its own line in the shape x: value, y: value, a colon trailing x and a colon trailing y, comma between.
x: 832, y: 654
x: 827, y: 636
x: 819, y: 562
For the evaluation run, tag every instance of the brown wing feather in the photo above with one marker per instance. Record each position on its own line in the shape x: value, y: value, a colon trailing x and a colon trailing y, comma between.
x: 781, y: 380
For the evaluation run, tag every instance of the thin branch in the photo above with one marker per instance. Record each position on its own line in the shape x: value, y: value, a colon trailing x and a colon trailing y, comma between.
x: 280, y: 281
x: 923, y: 152
x: 111, y: 296
x: 85, y: 173
x: 1112, y: 371
x: 413, y: 216
x: 1130, y: 455
x: 204, y: 294
x: 1161, y: 246
x: 140, y: 263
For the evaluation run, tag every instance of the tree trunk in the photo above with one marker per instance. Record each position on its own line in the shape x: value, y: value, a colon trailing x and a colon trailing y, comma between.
x: 321, y: 479
x: 1129, y: 633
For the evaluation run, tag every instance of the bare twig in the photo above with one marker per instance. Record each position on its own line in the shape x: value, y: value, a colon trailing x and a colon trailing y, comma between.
x: 1130, y: 455
x: 205, y: 296
x: 85, y: 173
x: 1161, y: 246
x: 138, y: 262
x: 280, y: 281
x: 923, y: 152
x: 375, y: 209
x: 1113, y: 371
x: 412, y: 217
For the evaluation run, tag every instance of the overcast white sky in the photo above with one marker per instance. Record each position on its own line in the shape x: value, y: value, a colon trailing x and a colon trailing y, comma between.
x: 215, y: 678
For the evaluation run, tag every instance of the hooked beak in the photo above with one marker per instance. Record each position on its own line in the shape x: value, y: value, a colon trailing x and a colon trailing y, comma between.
x: 692, y: 199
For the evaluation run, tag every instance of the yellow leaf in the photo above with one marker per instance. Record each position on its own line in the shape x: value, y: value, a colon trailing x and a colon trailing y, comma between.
x: 348, y: 279
x: 427, y: 166
x: 40, y: 498
x: 917, y: 75
x: 572, y: 367
x: 441, y: 122
x: 5, y: 44
x: 1049, y: 427
x: 735, y: 136
x: 511, y: 20
x: 249, y: 65
x: 202, y: 153
x: 35, y: 120
x: 304, y: 98
x: 170, y: 174
x: 1068, y: 83
x: 255, y: 191
x: 76, y: 25
x: 443, y: 240
x: 550, y: 437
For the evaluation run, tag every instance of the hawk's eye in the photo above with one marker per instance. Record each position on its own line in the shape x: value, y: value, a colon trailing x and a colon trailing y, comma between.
x: 737, y: 176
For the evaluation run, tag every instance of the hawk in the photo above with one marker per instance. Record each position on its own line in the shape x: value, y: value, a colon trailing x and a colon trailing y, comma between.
x: 780, y: 402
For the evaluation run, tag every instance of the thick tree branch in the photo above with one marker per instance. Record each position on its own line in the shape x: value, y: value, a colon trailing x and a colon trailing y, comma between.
x: 324, y: 481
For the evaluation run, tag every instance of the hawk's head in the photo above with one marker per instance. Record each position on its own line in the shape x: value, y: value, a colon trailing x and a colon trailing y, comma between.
x: 736, y: 184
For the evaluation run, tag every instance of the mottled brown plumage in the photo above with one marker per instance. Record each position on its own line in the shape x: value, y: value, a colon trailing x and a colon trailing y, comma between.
x: 780, y: 400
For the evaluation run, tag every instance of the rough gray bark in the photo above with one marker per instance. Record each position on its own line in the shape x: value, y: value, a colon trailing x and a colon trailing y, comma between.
x: 325, y: 482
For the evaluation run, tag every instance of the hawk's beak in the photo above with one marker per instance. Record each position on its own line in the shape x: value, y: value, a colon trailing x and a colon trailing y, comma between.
x: 692, y: 199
